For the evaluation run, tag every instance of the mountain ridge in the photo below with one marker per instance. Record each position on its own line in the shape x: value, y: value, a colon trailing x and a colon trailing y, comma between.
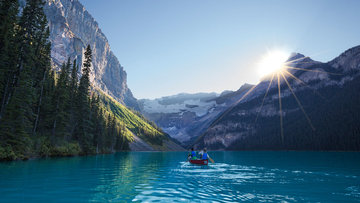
x: 311, y: 75
x: 237, y: 128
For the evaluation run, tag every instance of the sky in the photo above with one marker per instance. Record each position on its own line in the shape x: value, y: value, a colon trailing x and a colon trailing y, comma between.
x: 185, y: 46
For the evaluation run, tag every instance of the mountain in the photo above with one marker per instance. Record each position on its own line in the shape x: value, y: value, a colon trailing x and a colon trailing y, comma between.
x: 72, y: 28
x: 324, y: 114
x: 186, y: 116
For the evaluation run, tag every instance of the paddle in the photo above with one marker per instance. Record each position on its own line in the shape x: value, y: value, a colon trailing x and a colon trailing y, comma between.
x: 212, y: 161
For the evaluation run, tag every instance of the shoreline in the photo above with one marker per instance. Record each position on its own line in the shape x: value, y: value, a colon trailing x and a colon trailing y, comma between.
x: 83, y: 155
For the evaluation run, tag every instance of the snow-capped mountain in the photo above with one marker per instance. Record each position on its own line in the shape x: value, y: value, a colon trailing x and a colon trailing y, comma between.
x: 186, y: 116
x: 200, y: 104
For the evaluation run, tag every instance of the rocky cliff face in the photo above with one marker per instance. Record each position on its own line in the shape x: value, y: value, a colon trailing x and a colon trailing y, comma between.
x: 327, y: 92
x: 72, y: 28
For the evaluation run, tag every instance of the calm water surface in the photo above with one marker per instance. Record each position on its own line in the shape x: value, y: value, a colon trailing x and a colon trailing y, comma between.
x: 167, y: 177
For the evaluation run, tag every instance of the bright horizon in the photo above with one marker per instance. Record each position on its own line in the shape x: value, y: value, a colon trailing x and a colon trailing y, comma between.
x: 171, y: 47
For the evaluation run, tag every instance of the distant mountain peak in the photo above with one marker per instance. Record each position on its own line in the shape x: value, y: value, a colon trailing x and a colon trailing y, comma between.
x: 295, y: 55
x: 298, y: 57
x: 245, y: 86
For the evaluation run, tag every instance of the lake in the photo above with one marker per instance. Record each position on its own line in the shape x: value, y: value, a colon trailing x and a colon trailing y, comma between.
x: 254, y: 176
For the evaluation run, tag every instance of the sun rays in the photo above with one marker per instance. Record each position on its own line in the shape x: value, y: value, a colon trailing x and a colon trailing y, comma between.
x: 280, y: 108
x: 278, y: 78
x: 263, y: 100
x: 282, y: 74
x: 298, y: 102
x: 272, y: 61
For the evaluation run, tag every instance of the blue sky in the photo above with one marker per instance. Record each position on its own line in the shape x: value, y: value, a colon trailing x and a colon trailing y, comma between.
x: 173, y: 46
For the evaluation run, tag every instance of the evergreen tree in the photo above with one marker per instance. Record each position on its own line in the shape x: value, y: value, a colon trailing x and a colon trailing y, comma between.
x: 61, y: 102
x: 43, y: 69
x: 16, y: 125
x: 111, y: 133
x: 47, y: 113
x: 74, y: 81
x: 83, y: 133
x: 97, y: 122
x: 73, y: 87
x: 24, y: 67
x: 8, y: 49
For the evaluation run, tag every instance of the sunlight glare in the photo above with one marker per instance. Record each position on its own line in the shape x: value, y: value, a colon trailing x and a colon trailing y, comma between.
x: 272, y: 62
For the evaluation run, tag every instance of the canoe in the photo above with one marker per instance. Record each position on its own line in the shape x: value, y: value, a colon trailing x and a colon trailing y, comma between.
x: 199, y: 161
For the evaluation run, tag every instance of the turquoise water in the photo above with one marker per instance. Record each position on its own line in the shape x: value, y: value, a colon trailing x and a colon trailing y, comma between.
x: 167, y: 177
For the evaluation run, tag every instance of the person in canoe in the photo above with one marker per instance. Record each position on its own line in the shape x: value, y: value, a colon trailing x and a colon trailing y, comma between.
x: 203, y: 159
x: 193, y: 154
x: 201, y: 153
x: 189, y: 154
x: 205, y: 156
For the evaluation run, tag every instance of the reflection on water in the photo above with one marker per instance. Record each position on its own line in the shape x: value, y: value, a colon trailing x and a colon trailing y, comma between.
x: 167, y: 177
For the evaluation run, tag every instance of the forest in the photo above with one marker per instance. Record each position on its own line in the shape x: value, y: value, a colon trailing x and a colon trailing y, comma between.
x: 48, y: 112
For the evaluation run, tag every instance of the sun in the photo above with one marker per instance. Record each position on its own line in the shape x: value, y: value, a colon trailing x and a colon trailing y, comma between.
x: 272, y: 62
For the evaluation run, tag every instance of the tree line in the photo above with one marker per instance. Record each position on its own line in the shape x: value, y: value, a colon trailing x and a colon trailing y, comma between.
x: 44, y: 112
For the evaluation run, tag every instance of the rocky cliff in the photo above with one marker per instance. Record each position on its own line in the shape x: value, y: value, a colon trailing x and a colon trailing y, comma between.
x: 72, y: 28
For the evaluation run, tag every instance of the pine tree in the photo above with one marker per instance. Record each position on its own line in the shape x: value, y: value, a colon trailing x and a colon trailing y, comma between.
x: 83, y: 133
x: 73, y: 87
x: 42, y: 71
x: 8, y: 49
x: 111, y: 133
x: 16, y: 125
x: 97, y: 122
x: 74, y: 81
x: 61, y: 102
x: 47, y: 113
x: 28, y: 59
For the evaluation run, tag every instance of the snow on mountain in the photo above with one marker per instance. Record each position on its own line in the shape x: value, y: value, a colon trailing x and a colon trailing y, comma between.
x: 185, y: 116
x: 179, y: 114
x: 199, y: 107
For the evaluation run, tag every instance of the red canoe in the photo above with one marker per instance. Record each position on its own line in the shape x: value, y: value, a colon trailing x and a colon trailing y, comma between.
x: 199, y: 161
